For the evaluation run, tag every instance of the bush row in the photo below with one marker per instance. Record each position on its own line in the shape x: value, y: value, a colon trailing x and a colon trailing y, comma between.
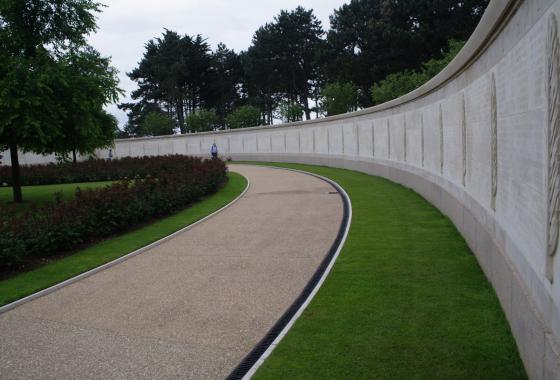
x: 90, y: 170
x: 64, y: 225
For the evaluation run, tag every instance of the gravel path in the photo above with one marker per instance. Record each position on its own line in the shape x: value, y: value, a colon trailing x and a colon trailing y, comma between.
x: 191, y: 307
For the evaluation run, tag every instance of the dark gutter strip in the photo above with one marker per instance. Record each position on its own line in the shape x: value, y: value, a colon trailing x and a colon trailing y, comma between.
x: 251, y: 359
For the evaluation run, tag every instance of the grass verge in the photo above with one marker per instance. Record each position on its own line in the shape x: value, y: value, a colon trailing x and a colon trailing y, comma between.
x: 406, y: 299
x: 30, y: 282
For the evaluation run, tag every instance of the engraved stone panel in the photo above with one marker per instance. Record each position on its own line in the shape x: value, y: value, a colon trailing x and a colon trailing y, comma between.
x: 553, y: 142
x: 335, y: 139
x: 179, y: 146
x: 236, y: 143
x: 381, y: 138
x: 464, y: 137
x: 321, y: 140
x: 478, y: 138
x: 165, y: 147
x: 452, y: 122
x: 292, y: 140
x: 430, y: 117
x: 151, y: 148
x: 422, y: 136
x: 350, y: 140
x: 306, y: 140
x: 278, y: 142
x: 365, y: 140
x: 493, y: 141
x: 414, y: 138
x: 263, y: 142
x: 249, y: 143
x: 136, y: 149
x: 397, y: 137
x: 441, y: 142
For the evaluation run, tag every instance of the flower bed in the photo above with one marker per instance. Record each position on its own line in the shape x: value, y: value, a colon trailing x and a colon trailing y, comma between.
x: 162, y: 185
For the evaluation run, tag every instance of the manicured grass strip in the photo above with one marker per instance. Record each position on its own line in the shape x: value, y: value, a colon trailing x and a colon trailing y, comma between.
x: 44, y: 193
x: 406, y: 299
x: 30, y: 282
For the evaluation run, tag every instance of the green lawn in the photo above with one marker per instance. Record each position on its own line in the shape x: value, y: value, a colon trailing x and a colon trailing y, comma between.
x: 406, y: 299
x: 44, y: 193
x: 27, y: 283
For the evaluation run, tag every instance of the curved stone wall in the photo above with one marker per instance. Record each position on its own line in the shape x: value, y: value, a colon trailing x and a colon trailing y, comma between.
x: 480, y: 141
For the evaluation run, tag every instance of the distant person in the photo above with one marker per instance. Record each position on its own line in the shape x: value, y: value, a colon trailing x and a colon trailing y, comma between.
x: 110, y: 154
x: 214, y: 151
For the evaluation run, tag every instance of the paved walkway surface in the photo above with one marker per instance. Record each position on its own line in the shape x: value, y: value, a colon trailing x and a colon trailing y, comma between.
x: 191, y: 307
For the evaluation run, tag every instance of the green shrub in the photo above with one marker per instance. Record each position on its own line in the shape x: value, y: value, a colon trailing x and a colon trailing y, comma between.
x: 339, y: 98
x: 290, y: 111
x: 202, y: 120
x: 395, y: 85
x: 157, y: 124
x: 244, y: 117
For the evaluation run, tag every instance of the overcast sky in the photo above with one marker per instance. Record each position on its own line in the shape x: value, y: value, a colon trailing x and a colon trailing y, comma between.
x: 126, y: 25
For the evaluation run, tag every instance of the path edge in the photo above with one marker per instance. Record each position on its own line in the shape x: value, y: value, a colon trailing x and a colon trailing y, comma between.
x: 121, y: 259
x: 252, y: 361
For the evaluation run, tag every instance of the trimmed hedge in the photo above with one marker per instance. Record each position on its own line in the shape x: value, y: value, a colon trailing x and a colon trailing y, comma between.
x: 89, y: 171
x: 169, y: 183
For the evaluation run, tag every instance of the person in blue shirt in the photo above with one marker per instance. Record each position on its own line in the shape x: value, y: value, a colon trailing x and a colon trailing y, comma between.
x: 214, y: 151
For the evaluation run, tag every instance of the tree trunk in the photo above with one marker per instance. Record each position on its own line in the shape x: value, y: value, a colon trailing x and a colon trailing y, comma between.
x: 306, y: 107
x: 181, y: 116
x: 16, y: 179
x: 74, y: 160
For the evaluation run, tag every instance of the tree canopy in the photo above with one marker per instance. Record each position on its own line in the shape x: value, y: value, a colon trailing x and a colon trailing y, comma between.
x: 53, y: 86
x: 178, y: 75
x: 284, y: 56
x: 369, y: 40
x: 292, y: 64
x: 91, y: 83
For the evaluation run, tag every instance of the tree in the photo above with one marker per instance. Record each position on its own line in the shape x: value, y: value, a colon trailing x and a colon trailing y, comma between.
x: 369, y: 40
x: 37, y: 40
x: 85, y: 141
x: 173, y: 75
x: 91, y: 83
x: 398, y: 84
x: 260, y: 75
x: 157, y: 124
x: 339, y: 98
x: 225, y: 82
x: 244, y: 117
x: 202, y: 120
x: 283, y: 59
x: 299, y: 35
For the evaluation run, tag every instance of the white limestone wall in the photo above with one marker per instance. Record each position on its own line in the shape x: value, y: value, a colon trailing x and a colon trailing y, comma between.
x: 474, y: 141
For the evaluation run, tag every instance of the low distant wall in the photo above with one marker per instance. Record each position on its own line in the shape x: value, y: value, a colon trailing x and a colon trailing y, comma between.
x: 480, y: 141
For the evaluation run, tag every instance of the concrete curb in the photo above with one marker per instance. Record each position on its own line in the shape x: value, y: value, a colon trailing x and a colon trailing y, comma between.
x: 249, y: 365
x: 110, y: 264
